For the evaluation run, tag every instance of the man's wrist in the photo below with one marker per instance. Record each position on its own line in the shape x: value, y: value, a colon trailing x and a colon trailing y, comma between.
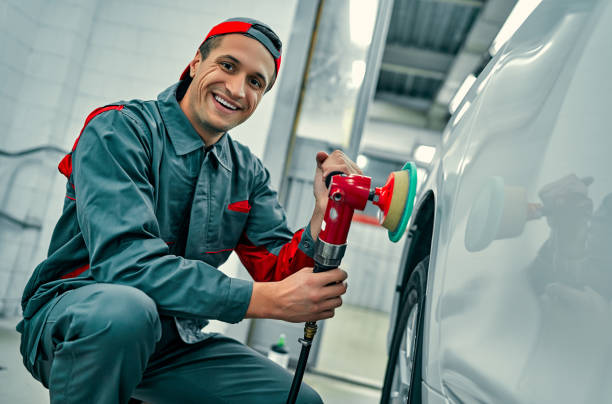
x: 317, y: 218
x: 321, y: 204
x: 262, y: 301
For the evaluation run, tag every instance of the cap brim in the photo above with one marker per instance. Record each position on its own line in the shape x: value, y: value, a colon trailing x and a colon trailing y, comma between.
x: 185, y: 73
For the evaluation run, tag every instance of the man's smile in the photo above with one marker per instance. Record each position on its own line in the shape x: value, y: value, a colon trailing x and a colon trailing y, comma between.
x: 225, y: 103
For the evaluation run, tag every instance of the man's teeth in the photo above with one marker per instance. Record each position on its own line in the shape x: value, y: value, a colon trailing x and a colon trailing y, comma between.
x: 223, y: 102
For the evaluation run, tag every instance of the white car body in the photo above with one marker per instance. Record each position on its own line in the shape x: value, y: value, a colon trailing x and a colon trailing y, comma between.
x: 519, y: 288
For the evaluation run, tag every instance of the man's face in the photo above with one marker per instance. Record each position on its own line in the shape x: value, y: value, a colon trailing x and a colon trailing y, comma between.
x: 228, y: 84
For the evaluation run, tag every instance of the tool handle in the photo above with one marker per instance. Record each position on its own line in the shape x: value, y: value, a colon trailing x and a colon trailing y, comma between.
x: 321, y: 268
x: 327, y: 256
x: 329, y: 178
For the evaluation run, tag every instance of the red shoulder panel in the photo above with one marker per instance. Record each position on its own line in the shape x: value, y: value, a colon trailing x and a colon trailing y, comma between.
x: 65, y: 166
x: 76, y: 272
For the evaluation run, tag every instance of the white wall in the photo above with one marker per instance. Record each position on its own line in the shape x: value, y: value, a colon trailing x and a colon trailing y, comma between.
x: 62, y: 59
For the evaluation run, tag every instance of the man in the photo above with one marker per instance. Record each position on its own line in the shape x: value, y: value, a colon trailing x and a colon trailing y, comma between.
x: 158, y: 196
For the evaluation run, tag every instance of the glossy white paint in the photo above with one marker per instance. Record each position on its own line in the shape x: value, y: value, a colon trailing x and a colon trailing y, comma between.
x: 430, y: 396
x: 518, y: 306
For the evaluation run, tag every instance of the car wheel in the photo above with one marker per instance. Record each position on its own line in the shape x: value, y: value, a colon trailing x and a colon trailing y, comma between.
x: 403, y: 374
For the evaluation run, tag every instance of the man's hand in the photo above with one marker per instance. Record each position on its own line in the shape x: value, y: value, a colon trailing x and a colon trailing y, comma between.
x: 327, y: 164
x: 568, y: 210
x: 303, y: 296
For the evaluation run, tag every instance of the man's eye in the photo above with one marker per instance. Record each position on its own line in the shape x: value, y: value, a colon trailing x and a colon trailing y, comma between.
x: 227, y: 66
x: 256, y: 83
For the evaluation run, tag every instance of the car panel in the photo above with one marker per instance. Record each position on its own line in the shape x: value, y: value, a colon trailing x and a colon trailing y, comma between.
x: 518, y: 303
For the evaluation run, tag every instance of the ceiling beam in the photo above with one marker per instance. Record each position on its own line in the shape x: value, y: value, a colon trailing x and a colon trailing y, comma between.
x: 416, y: 104
x: 416, y: 61
x: 469, y: 3
x: 384, y: 111
x: 483, y: 31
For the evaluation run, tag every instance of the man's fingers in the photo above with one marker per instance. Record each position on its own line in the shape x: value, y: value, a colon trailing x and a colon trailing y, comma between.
x: 335, y: 168
x: 324, y: 315
x: 331, y: 276
x: 331, y: 304
x: 347, y: 168
x: 333, y: 290
x: 336, y: 161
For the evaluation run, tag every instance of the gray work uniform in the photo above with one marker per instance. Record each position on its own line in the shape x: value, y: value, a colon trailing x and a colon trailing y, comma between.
x: 131, y: 275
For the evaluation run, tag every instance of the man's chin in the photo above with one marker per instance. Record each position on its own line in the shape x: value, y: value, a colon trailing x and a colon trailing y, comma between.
x: 217, y: 128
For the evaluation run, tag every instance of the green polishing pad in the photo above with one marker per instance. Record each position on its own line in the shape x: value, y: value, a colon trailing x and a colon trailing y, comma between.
x: 404, y: 191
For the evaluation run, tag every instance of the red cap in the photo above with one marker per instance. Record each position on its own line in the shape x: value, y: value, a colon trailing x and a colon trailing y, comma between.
x: 248, y: 27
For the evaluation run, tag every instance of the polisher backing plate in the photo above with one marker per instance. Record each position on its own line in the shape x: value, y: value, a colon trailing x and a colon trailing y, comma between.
x: 398, y: 200
x: 402, y: 201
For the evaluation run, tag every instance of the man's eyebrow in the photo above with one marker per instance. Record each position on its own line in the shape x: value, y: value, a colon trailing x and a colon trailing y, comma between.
x: 230, y: 57
x: 233, y: 59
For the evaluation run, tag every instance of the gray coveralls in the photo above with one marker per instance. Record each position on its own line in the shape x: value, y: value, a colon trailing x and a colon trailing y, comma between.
x: 116, y: 309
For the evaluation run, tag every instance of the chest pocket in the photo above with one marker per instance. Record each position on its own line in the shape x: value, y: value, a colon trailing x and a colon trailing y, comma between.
x: 233, y: 223
x: 225, y: 239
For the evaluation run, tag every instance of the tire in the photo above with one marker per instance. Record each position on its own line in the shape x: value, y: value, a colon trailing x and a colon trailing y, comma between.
x: 403, y: 373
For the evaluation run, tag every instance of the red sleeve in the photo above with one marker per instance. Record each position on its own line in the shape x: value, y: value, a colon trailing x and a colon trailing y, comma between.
x: 266, y: 266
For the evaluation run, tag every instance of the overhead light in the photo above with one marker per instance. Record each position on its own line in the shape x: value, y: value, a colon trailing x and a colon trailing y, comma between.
x: 461, y: 92
x: 424, y: 154
x: 358, y: 69
x: 461, y: 112
x: 362, y: 16
x: 362, y: 161
x: 517, y: 16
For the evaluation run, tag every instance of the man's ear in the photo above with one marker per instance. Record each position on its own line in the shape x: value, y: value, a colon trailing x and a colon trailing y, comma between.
x: 193, y: 65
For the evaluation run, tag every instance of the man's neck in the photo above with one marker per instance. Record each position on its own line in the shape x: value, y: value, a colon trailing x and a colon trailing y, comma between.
x: 209, y: 135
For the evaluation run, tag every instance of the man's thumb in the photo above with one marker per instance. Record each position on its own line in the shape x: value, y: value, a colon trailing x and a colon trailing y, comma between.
x: 321, y: 157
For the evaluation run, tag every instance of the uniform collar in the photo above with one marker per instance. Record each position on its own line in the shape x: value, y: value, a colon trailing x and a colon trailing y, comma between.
x: 221, y: 152
x: 183, y: 136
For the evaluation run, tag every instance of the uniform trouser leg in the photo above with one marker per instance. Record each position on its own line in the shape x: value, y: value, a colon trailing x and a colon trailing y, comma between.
x: 217, y: 370
x: 96, y: 343
x: 104, y: 343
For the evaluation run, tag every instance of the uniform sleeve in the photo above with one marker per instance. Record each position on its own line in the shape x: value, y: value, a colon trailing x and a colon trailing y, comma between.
x: 267, y: 248
x: 116, y: 213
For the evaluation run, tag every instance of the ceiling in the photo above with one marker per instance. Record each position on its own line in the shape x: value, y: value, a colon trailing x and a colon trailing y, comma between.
x: 431, y: 47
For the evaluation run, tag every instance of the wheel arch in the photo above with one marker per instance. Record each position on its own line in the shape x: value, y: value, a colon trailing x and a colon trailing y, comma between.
x: 418, y: 246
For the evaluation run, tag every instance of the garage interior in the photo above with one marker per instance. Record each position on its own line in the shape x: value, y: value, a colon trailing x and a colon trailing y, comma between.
x: 378, y: 79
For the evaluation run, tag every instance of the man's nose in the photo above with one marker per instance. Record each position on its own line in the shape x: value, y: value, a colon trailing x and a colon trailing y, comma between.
x: 235, y: 85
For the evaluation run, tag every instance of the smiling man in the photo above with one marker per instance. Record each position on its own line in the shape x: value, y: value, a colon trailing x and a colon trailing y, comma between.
x: 227, y: 85
x: 158, y: 195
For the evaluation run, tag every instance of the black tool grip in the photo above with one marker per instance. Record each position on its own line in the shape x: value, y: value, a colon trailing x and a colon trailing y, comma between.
x: 328, y: 179
x: 321, y: 268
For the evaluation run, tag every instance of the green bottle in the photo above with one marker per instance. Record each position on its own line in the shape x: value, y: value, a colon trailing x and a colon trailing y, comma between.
x: 279, y: 352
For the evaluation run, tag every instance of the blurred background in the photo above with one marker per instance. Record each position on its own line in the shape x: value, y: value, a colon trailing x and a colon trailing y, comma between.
x: 378, y: 79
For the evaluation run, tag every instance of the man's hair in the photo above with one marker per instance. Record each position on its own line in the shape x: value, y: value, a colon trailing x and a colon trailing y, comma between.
x: 209, y: 45
x: 213, y: 42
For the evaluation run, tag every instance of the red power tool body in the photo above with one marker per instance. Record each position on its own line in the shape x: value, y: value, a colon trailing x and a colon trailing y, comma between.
x: 347, y: 193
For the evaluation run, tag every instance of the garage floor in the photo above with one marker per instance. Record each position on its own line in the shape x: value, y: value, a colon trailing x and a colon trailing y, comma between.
x: 17, y: 386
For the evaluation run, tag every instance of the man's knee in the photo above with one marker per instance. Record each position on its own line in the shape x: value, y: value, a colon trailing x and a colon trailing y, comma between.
x: 120, y: 312
x: 308, y: 395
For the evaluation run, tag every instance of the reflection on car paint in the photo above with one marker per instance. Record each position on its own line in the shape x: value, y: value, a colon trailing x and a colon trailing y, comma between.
x: 520, y: 282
